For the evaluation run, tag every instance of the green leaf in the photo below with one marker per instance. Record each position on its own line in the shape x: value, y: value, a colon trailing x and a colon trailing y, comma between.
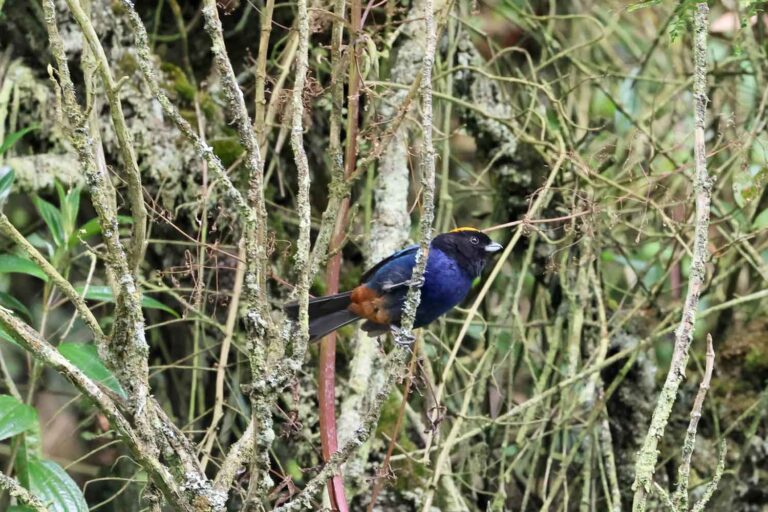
x: 748, y: 184
x: 86, y: 358
x: 5, y: 335
x: 52, y: 217
x: 92, y: 228
x: 12, y: 264
x: 104, y: 294
x: 6, y: 183
x: 9, y: 301
x: 69, y: 204
x: 13, y: 138
x: 761, y: 221
x: 49, y: 482
x: 15, y: 417
x: 41, y: 243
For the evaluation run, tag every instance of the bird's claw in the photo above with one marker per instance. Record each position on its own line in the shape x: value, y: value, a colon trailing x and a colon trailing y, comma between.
x: 418, y: 283
x: 402, y: 338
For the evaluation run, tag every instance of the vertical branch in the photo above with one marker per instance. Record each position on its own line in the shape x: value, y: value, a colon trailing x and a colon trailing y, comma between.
x: 124, y: 139
x: 259, y: 114
x: 302, y: 169
x: 128, y: 349
x: 258, y: 319
x: 338, y: 206
x: 255, y: 231
x: 680, y: 498
x: 427, y: 175
x: 648, y: 455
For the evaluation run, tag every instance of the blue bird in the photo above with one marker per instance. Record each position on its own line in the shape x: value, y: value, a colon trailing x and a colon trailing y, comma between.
x: 455, y: 259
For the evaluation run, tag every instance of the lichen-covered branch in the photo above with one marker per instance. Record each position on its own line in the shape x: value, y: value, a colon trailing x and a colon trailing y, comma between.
x: 124, y: 139
x: 648, y: 455
x: 146, y: 65
x: 23, y: 496
x: 680, y: 497
x: 56, y: 278
x: 128, y: 349
x: 143, y: 454
x: 255, y: 235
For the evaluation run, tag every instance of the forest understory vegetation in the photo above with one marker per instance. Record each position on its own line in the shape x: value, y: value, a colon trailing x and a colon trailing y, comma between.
x: 173, y: 173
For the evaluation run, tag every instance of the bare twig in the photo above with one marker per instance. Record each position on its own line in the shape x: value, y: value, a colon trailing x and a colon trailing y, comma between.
x: 680, y: 497
x: 648, y: 455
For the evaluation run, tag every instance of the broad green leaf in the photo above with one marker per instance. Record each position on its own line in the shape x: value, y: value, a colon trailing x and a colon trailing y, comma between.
x: 12, y: 264
x: 15, y: 417
x: 9, y: 301
x: 761, y: 221
x: 748, y: 184
x: 86, y: 358
x: 6, y: 183
x: 92, y: 228
x: 104, y: 294
x: 52, y: 217
x: 13, y: 138
x: 49, y: 482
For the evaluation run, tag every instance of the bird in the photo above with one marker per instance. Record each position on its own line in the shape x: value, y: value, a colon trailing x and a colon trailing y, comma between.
x: 455, y: 260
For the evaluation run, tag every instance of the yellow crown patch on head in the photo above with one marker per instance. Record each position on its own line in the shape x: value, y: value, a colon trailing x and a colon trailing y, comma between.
x: 463, y: 229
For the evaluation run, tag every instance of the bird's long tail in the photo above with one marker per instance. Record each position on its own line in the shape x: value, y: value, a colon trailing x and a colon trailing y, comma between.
x: 326, y: 314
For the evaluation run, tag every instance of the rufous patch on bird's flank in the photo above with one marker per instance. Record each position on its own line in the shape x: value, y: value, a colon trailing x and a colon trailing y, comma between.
x: 366, y: 303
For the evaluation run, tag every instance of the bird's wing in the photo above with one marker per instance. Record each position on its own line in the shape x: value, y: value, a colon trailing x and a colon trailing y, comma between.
x: 411, y: 249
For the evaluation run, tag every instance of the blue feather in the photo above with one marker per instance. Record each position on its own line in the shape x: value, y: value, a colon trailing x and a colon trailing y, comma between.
x: 445, y: 284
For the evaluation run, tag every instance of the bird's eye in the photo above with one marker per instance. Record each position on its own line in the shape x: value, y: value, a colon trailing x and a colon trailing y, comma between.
x: 474, y: 240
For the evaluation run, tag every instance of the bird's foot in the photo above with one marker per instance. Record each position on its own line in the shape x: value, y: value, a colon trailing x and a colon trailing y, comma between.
x: 402, y: 338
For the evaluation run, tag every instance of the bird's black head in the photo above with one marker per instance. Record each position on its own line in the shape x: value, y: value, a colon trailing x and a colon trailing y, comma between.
x: 469, y: 247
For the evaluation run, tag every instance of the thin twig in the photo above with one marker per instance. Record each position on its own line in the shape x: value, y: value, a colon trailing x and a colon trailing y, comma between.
x: 680, y: 497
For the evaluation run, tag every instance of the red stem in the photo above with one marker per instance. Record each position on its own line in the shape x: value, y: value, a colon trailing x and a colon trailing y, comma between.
x: 327, y: 374
x: 327, y: 371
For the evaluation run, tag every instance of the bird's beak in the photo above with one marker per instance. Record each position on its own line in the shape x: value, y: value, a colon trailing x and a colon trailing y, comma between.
x: 493, y: 247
